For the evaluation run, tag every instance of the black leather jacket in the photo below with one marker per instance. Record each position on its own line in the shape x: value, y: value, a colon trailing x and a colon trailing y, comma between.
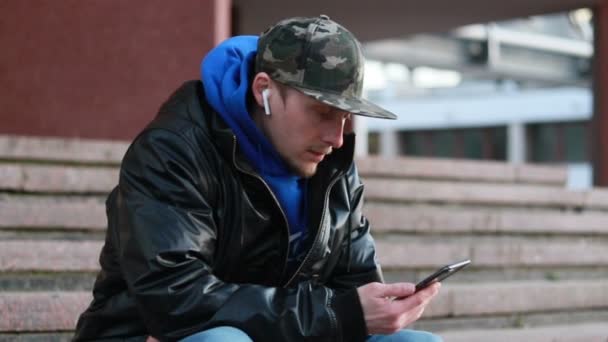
x: 196, y: 239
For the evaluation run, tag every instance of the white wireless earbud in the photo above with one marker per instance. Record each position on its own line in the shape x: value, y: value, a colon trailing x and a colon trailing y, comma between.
x: 265, y: 94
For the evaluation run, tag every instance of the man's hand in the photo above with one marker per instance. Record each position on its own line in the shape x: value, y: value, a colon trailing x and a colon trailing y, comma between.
x: 383, y: 315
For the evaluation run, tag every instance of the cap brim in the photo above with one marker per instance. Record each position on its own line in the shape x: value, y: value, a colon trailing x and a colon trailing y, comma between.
x: 351, y: 105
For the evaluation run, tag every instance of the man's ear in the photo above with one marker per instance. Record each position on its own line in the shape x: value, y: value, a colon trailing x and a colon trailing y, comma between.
x: 260, y: 82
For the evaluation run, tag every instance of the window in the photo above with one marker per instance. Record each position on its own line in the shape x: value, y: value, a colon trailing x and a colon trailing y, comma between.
x: 373, y: 141
x: 469, y: 143
x: 559, y: 142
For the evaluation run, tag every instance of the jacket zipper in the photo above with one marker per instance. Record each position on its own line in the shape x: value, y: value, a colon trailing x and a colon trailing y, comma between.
x: 271, y: 194
x: 318, y: 230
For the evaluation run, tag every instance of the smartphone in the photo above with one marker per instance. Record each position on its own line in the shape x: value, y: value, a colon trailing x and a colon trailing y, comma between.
x: 442, y: 273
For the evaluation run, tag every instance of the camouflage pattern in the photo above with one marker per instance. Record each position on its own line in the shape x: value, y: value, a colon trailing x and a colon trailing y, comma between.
x: 320, y: 58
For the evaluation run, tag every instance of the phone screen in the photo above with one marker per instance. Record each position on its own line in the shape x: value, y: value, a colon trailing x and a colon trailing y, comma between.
x: 442, y: 273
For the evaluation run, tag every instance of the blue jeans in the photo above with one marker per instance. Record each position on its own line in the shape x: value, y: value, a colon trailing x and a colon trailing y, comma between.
x: 235, y: 335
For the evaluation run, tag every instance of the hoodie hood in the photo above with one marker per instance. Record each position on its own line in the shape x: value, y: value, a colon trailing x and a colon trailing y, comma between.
x: 226, y: 73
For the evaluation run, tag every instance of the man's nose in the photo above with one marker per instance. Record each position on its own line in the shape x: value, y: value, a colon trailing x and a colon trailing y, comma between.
x: 334, y: 133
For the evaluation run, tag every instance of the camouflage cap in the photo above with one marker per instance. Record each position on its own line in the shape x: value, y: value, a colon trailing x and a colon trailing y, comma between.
x: 320, y: 58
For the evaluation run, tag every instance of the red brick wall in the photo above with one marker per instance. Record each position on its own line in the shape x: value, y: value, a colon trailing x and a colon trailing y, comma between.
x: 600, y: 120
x: 98, y: 68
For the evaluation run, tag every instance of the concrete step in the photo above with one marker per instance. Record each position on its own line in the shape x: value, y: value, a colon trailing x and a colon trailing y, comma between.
x: 41, y: 311
x: 37, y: 337
x: 111, y: 152
x: 88, y: 212
x: 19, y: 176
x: 57, y: 178
x: 462, y: 300
x: 47, y: 281
x: 58, y: 311
x: 82, y: 255
x: 512, y: 321
x: 587, y: 332
x: 425, y: 219
x: 474, y: 274
x: 510, y: 195
x: 55, y: 212
x: 79, y: 151
x: 397, y: 252
x: 53, y: 256
x: 461, y: 170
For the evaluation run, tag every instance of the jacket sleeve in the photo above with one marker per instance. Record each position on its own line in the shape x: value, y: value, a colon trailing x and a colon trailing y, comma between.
x: 167, y: 236
x: 357, y: 264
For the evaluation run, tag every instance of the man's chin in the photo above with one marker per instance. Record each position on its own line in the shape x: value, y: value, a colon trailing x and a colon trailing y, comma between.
x: 306, y: 170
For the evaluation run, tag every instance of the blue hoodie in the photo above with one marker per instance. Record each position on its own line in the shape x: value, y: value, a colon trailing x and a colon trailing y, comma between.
x: 225, y: 73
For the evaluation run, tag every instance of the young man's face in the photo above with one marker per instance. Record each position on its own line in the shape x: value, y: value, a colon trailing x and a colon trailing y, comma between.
x: 302, y: 129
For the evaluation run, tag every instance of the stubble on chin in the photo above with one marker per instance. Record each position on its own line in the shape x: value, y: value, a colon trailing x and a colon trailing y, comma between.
x: 306, y: 171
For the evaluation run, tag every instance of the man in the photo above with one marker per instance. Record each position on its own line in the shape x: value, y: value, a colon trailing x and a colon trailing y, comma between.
x: 238, y: 211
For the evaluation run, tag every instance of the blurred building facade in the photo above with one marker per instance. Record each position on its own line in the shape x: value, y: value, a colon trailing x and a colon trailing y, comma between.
x: 516, y: 91
x: 100, y: 69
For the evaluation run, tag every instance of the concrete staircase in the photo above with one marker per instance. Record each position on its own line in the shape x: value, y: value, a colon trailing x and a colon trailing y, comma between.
x: 52, y: 224
x: 539, y: 251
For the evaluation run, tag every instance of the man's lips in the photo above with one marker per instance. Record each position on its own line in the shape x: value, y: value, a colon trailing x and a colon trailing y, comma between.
x: 317, y: 156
